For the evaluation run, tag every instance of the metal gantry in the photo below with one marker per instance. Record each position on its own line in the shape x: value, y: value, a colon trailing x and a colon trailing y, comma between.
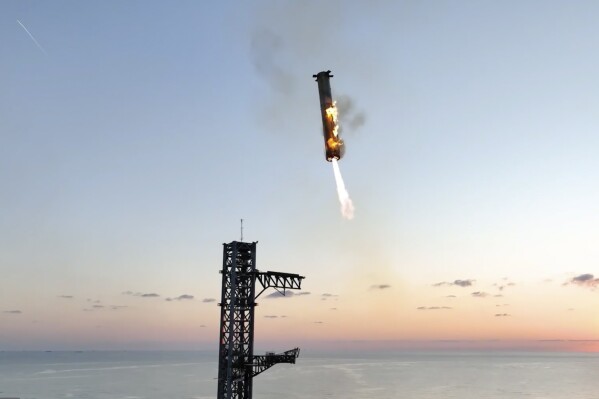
x: 237, y: 364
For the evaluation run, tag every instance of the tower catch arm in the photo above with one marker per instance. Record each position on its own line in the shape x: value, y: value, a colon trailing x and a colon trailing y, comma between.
x: 279, y: 281
x: 264, y: 362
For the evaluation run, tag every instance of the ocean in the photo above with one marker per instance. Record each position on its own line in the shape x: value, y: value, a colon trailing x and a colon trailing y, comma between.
x: 192, y: 375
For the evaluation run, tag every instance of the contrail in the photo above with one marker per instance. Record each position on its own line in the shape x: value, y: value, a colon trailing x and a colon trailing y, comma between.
x: 347, y: 206
x: 32, y: 38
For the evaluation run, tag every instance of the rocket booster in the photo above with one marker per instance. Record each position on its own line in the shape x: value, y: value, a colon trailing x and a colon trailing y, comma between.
x: 334, y: 147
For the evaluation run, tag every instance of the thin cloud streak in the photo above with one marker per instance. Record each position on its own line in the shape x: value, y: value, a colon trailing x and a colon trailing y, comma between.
x: 140, y: 294
x: 32, y: 38
x: 180, y: 298
x: 459, y: 283
x: 288, y: 294
x: 379, y: 286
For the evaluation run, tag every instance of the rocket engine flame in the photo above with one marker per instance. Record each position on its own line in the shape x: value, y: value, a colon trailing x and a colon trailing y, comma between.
x: 347, y: 206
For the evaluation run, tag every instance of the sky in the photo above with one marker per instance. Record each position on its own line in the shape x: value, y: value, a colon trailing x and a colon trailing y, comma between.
x: 136, y: 135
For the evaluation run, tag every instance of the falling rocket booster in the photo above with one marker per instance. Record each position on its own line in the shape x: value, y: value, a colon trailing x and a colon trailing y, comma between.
x: 334, y: 147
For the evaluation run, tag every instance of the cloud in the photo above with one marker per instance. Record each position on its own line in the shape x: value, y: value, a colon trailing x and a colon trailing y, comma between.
x: 333, y: 308
x: 278, y: 294
x: 326, y: 295
x: 271, y: 316
x: 288, y: 294
x: 584, y: 280
x: 479, y: 294
x: 66, y: 296
x: 434, y: 308
x: 283, y: 316
x: 463, y: 283
x: 208, y: 300
x: 202, y: 326
x: 502, y: 314
x: 318, y: 322
x: 499, y: 305
x: 379, y: 286
x: 117, y: 307
x: 98, y: 306
x: 13, y: 311
x: 140, y: 294
x: 501, y: 286
x: 451, y: 296
x: 459, y: 283
x: 180, y: 298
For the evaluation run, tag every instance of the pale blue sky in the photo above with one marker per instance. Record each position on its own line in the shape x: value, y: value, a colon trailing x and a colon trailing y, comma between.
x: 130, y: 150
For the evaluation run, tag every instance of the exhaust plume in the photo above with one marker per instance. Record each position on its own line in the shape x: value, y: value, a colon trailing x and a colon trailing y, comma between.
x: 347, y: 206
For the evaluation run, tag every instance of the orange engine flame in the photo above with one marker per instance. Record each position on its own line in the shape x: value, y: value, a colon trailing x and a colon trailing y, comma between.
x: 333, y: 114
x: 333, y: 143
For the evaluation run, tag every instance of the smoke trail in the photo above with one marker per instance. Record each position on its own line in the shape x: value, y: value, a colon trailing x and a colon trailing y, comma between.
x: 347, y: 206
x: 348, y: 115
x: 32, y: 38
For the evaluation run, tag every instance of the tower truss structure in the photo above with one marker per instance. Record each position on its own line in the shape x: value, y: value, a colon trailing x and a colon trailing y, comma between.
x: 242, y: 283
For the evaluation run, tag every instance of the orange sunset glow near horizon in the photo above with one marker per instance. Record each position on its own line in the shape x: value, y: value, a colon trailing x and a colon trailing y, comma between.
x: 458, y: 314
x: 135, y: 136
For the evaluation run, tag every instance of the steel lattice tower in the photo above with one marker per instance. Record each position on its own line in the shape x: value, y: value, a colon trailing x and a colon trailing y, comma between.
x: 237, y: 364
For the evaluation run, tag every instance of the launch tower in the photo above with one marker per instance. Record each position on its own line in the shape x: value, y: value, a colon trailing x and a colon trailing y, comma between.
x: 242, y: 283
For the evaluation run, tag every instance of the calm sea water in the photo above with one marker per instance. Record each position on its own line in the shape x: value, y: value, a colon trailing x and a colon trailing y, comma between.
x: 191, y: 375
